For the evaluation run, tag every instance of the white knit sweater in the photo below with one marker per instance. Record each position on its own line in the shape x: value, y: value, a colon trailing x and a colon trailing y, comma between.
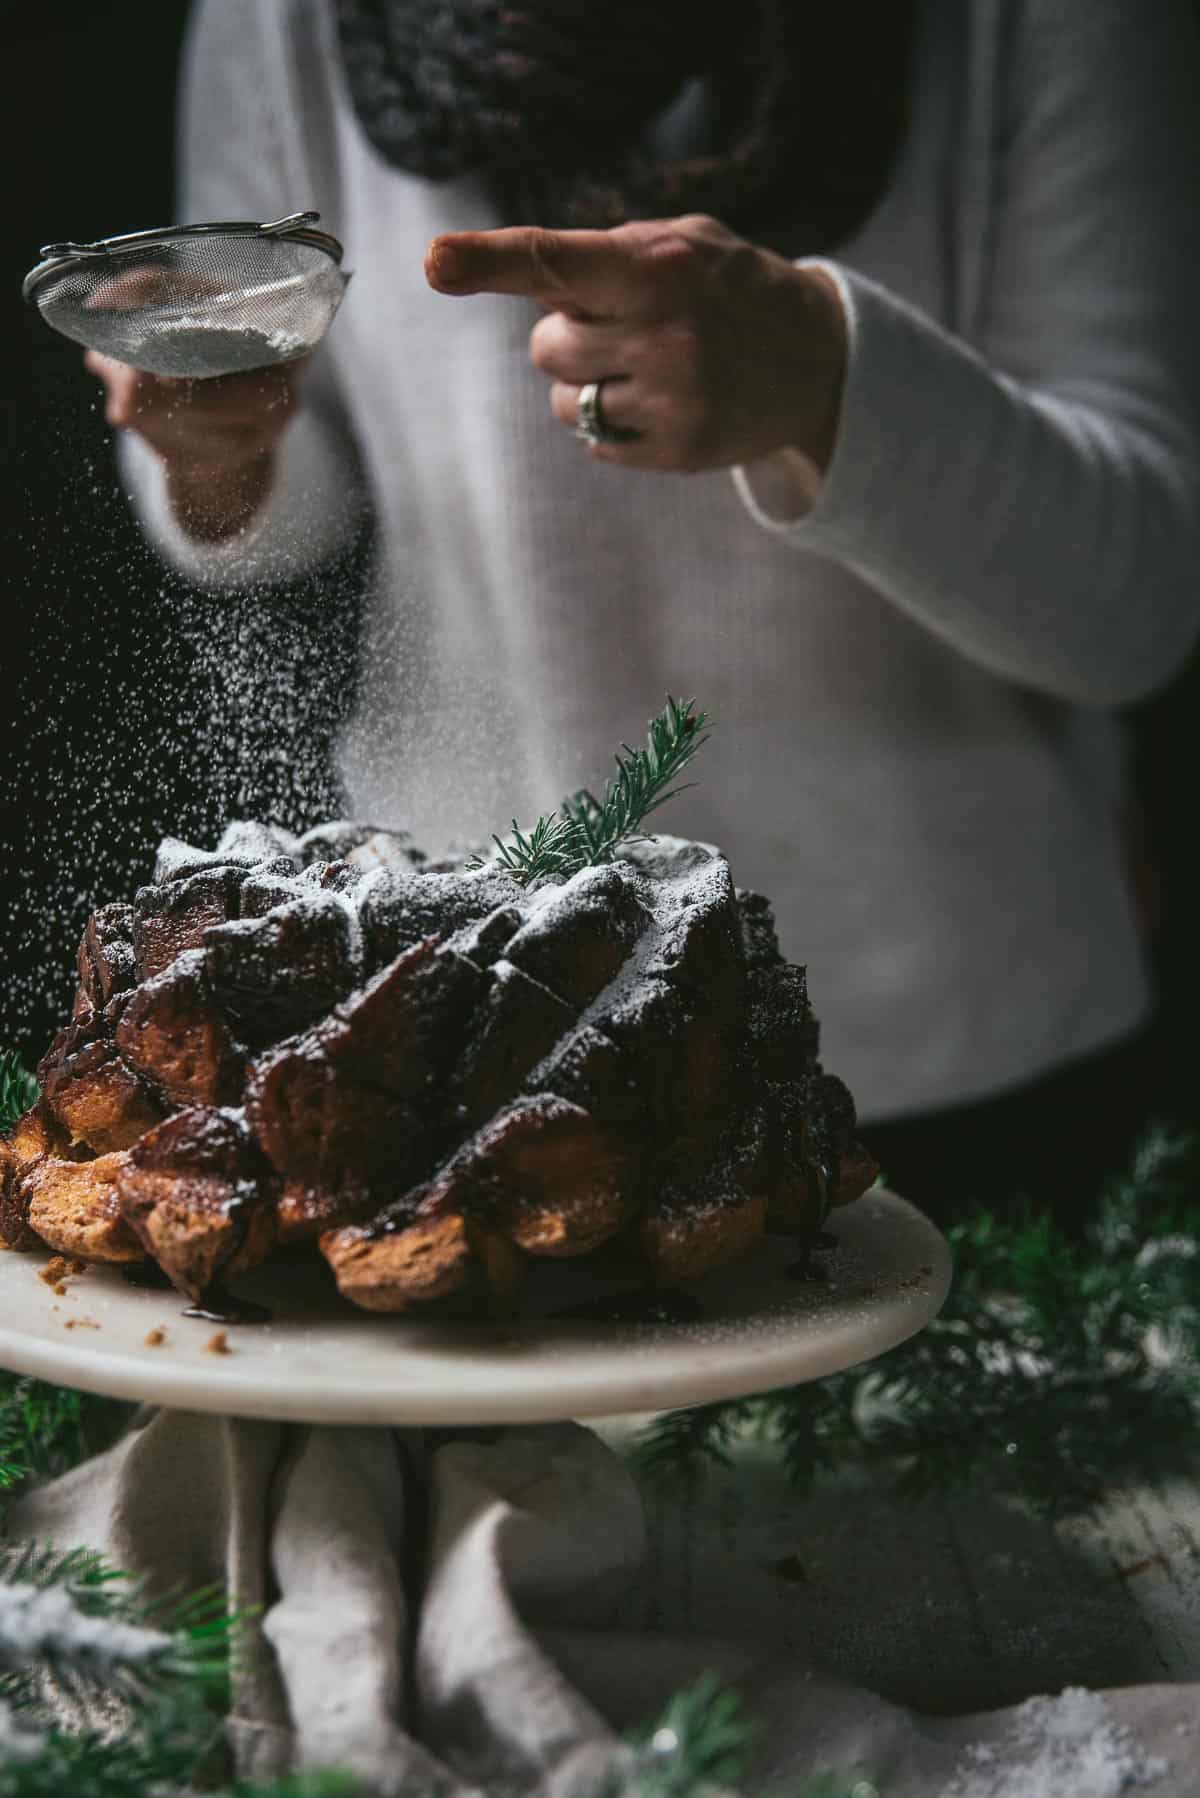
x: 916, y: 755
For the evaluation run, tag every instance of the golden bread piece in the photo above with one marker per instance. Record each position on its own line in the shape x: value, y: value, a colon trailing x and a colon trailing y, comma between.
x: 199, y: 1200
x: 175, y: 915
x: 681, y: 1056
x: 74, y: 1208
x: 683, y: 1241
x: 856, y: 1172
x: 172, y: 1033
x: 335, y: 1111
x: 99, y: 1100
x: 436, y: 1253
x: 106, y: 960
x: 34, y: 1135
x: 92, y: 1092
x: 581, y: 936
x: 541, y: 1178
x: 587, y: 1067
x: 278, y: 974
x: 796, y: 1202
x: 515, y: 1026
x: 321, y: 1128
x: 383, y: 1271
x: 816, y: 1159
x: 799, y: 1197
x: 15, y: 1232
x: 782, y: 1030
x: 400, y: 909
x: 404, y: 1028
x: 545, y: 1174
x: 31, y: 1139
x: 303, y: 1211
x: 696, y: 945
x: 502, y: 1266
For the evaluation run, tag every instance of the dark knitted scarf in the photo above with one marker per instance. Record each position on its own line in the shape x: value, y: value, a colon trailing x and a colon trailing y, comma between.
x: 549, y: 99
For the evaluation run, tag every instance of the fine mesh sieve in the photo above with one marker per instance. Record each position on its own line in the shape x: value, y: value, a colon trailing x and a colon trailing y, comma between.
x: 195, y: 300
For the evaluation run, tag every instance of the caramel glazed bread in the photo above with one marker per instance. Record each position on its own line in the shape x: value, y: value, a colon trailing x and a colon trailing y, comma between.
x: 429, y: 1071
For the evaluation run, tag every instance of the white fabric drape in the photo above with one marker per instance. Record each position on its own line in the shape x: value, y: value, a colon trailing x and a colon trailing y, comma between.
x: 436, y: 1616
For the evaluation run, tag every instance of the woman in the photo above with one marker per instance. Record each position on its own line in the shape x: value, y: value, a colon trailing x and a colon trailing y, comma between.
x: 930, y: 380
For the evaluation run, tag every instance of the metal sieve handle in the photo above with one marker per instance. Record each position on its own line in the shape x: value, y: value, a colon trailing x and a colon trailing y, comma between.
x: 279, y: 226
x: 107, y: 246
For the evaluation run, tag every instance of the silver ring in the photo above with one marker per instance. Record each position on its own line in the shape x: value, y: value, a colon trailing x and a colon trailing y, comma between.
x: 591, y: 426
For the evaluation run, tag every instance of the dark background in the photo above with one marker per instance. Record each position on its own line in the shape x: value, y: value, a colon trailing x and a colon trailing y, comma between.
x: 131, y: 706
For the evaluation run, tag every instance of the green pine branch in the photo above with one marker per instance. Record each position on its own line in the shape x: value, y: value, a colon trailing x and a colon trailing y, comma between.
x: 69, y: 1622
x: 154, y: 1757
x: 73, y: 1619
x: 701, y: 1739
x: 1054, y: 1368
x: 18, y: 1089
x: 43, y: 1429
x: 586, y: 831
x: 699, y: 1746
x: 46, y: 1429
x: 158, y: 1758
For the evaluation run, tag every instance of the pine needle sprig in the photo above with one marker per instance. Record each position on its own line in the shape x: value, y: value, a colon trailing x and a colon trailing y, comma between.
x: 644, y: 781
x: 46, y: 1429
x: 586, y: 831
x: 85, y: 1625
x: 550, y: 849
x: 157, y: 1756
x: 701, y: 1739
x: 696, y: 1745
x: 160, y: 1756
x: 18, y: 1089
x: 671, y: 1452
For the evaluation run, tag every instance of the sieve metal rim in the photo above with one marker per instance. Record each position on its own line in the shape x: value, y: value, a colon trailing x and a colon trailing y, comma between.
x: 58, y: 257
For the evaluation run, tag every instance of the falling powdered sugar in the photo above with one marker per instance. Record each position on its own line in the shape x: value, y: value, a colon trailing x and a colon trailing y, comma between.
x: 177, y: 706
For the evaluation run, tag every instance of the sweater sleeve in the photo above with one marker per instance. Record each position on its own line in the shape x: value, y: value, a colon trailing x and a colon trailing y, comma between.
x: 1034, y: 501
x: 243, y: 155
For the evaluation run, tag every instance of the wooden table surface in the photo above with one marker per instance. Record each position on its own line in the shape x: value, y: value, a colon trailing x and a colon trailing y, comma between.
x: 947, y: 1604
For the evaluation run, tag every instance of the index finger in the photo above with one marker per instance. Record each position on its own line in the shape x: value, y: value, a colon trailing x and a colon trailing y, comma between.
x: 599, y: 273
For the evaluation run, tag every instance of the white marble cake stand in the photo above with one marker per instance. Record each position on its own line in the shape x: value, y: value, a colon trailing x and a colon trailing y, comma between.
x: 321, y: 1361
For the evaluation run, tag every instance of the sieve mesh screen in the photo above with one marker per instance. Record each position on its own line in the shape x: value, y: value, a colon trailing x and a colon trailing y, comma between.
x: 196, y: 305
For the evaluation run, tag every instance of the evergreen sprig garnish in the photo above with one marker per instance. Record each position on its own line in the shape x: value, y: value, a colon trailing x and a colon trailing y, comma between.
x: 18, y: 1089
x: 550, y: 848
x: 586, y: 831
